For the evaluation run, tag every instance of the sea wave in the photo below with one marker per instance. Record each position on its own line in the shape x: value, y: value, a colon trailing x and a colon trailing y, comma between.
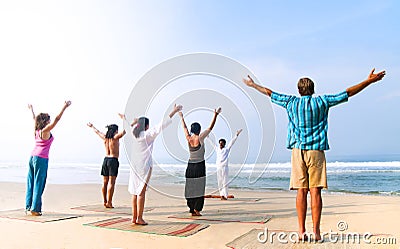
x: 371, y: 178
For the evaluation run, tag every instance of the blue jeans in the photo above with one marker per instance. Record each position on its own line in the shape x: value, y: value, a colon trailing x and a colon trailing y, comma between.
x: 36, y: 182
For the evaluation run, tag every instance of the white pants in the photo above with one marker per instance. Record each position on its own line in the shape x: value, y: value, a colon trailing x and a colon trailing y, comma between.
x: 222, y: 177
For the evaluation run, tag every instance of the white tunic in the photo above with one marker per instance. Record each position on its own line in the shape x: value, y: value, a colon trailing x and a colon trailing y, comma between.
x: 222, y: 167
x: 223, y: 154
x: 142, y: 159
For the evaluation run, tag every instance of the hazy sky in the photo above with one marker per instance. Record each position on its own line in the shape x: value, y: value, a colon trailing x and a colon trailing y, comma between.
x: 93, y: 53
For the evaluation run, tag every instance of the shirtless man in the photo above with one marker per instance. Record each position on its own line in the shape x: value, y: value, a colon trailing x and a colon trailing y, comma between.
x: 109, y: 170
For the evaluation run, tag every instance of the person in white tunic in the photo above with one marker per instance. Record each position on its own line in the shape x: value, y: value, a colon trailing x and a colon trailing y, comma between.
x: 142, y: 162
x: 222, y: 164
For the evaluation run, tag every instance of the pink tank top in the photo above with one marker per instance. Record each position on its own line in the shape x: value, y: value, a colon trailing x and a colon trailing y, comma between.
x: 42, y: 147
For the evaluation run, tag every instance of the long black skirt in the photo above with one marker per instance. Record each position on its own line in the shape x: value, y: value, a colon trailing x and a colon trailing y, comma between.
x: 195, y: 185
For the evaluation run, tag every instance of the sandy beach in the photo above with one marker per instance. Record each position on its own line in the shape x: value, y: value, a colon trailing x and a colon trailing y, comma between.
x: 362, y: 214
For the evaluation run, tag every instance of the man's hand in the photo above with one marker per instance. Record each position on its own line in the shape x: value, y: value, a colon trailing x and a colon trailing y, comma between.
x: 249, y: 82
x: 372, y: 77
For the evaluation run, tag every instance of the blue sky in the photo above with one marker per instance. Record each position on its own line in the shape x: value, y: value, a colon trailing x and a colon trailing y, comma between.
x: 93, y: 52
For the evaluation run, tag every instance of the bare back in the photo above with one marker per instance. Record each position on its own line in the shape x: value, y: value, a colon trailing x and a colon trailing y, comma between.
x: 112, y: 147
x: 194, y: 140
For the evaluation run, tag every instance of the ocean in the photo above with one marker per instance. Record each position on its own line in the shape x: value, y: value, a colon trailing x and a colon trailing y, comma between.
x: 370, y: 178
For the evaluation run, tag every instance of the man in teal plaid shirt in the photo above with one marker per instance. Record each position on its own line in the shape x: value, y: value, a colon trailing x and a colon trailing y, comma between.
x: 308, y: 139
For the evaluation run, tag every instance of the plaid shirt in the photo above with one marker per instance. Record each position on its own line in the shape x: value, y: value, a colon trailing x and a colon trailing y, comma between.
x: 308, y: 119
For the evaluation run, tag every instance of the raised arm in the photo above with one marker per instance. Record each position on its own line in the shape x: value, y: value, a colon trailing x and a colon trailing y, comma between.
x: 101, y: 135
x: 176, y: 109
x: 50, y: 126
x: 152, y: 133
x: 372, y: 78
x: 123, y: 117
x: 30, y: 107
x: 250, y: 82
x: 216, y: 112
x: 134, y: 122
x: 185, y: 129
x: 123, y: 132
x: 234, y: 139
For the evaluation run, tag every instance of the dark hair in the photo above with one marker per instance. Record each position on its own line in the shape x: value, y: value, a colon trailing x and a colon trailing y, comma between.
x: 112, y: 129
x: 195, y: 128
x: 222, y: 140
x: 140, y: 126
x: 305, y: 86
x: 41, y: 121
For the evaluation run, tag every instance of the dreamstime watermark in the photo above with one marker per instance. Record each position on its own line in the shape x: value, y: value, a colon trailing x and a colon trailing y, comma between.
x: 342, y: 236
x: 242, y: 108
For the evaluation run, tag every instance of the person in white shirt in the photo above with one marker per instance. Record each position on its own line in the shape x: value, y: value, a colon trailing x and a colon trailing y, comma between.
x: 142, y: 162
x: 222, y: 165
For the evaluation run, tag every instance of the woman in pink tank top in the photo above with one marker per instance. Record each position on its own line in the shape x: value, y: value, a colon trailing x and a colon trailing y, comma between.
x: 39, y: 160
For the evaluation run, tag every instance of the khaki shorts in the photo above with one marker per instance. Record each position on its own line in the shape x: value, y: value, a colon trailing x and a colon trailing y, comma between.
x: 308, y: 169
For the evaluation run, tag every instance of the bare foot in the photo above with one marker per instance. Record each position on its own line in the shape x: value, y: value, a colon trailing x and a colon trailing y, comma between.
x: 108, y: 205
x: 141, y: 222
x: 196, y: 213
x: 223, y: 198
x: 317, y: 237
x: 303, y: 236
x: 134, y: 219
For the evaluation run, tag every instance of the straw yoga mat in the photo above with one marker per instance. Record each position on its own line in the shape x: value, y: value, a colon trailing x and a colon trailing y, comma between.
x: 126, y: 210
x: 250, y: 240
x: 19, y: 214
x: 179, y: 229
x: 226, y: 216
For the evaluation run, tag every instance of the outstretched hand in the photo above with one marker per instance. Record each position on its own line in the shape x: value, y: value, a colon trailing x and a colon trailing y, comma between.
x: 122, y: 116
x: 178, y: 108
x: 238, y: 132
x: 249, y: 81
x: 135, y: 120
x: 89, y: 124
x: 218, y: 111
x: 30, y: 107
x: 372, y: 77
x: 67, y: 103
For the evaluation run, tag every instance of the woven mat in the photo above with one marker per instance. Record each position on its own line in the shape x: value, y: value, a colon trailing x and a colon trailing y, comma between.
x: 179, y: 229
x: 116, y: 210
x: 250, y: 240
x: 19, y: 214
x: 226, y: 216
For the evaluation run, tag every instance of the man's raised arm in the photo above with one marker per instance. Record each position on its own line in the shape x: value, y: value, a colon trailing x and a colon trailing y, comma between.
x: 261, y: 89
x: 372, y: 78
